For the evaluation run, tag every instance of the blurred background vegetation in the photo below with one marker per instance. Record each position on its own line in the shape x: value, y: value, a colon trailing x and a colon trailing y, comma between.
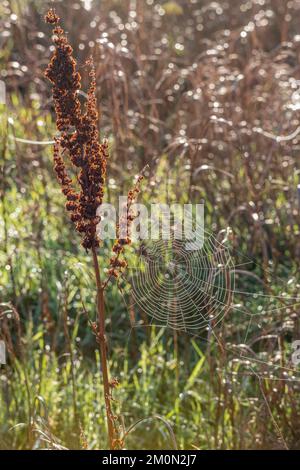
x: 208, y: 94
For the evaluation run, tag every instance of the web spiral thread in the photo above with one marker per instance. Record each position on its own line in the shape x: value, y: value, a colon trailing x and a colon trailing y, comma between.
x: 182, y: 289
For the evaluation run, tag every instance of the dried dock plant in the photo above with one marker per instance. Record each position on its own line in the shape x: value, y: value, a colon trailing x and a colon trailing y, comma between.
x: 79, y: 142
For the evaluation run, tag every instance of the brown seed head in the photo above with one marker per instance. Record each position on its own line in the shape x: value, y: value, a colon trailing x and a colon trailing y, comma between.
x: 79, y: 137
x: 51, y: 17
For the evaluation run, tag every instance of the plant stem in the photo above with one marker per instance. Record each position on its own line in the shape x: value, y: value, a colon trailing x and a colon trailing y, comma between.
x: 102, y: 346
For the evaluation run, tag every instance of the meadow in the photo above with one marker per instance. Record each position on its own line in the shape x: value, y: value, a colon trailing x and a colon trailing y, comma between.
x: 206, y: 96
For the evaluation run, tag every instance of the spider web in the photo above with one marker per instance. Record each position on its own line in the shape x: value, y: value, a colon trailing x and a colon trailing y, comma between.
x: 197, y: 292
x: 182, y: 289
x: 193, y: 292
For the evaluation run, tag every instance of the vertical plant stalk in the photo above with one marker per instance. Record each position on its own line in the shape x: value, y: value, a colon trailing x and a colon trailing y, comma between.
x: 101, y: 339
x: 79, y: 140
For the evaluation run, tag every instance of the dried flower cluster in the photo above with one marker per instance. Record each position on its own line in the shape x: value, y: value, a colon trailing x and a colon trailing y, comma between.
x: 79, y: 137
x: 117, y: 264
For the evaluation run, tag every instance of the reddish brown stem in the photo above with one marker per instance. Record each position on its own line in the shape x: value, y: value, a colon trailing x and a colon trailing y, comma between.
x: 101, y: 338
